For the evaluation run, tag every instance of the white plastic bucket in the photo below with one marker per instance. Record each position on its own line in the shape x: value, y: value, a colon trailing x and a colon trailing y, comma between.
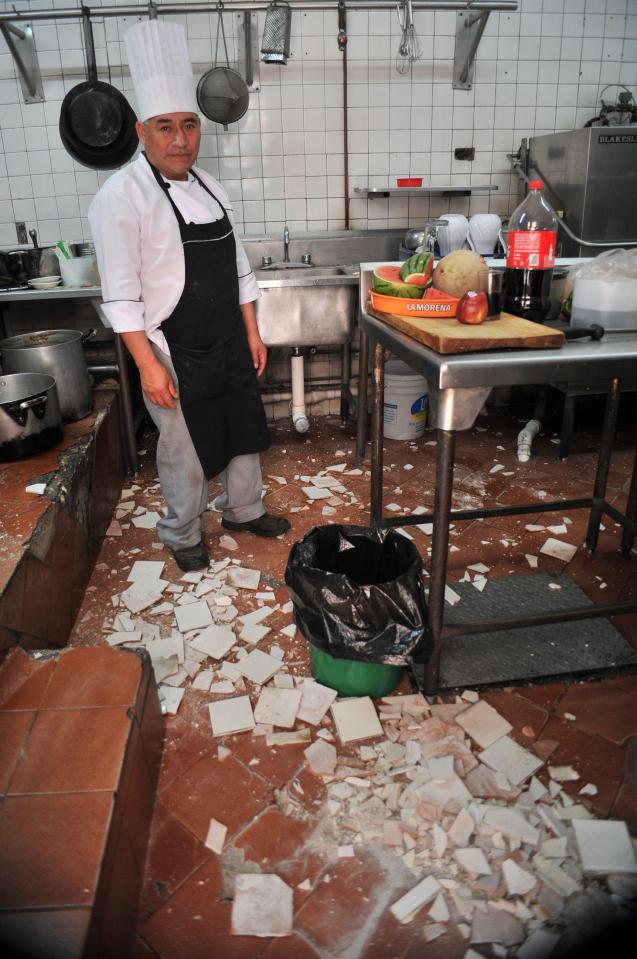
x: 79, y: 271
x: 405, y: 409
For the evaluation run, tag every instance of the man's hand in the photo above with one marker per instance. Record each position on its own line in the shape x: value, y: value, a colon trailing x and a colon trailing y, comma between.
x: 259, y: 352
x: 158, y: 385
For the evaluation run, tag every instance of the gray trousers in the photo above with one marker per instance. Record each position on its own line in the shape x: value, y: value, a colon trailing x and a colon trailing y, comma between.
x: 183, y: 484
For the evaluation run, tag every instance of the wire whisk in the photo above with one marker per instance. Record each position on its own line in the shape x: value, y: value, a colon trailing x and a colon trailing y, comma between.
x: 409, y: 48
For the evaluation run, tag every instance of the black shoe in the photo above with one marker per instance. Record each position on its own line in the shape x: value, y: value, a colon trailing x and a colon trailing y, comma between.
x: 191, y: 557
x: 266, y: 525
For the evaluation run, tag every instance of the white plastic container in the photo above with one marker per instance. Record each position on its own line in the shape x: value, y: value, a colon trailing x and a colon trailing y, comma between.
x: 405, y: 408
x: 610, y: 303
x: 79, y: 270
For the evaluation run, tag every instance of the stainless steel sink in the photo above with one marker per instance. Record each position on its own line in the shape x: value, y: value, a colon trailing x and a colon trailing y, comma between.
x: 306, y: 305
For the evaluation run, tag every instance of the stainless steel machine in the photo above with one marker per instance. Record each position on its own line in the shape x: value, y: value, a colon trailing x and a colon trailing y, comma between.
x: 590, y: 179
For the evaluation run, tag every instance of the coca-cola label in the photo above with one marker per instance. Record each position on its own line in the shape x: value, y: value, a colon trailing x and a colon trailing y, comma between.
x: 531, y: 249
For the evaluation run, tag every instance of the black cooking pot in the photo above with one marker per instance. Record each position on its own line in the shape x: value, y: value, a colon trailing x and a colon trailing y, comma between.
x: 97, y: 124
x: 30, y: 418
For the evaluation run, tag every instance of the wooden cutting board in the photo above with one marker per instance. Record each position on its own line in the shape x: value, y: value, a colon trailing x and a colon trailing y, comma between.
x: 451, y: 336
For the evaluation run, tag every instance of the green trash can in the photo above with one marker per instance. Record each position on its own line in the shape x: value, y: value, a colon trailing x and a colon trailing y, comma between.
x: 352, y: 677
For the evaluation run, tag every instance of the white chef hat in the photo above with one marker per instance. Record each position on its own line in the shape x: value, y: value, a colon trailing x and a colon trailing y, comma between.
x: 160, y: 68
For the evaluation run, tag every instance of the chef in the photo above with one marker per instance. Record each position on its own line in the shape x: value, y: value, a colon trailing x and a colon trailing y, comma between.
x: 178, y: 288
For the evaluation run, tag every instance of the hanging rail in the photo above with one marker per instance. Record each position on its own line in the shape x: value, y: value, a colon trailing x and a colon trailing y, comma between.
x: 165, y: 9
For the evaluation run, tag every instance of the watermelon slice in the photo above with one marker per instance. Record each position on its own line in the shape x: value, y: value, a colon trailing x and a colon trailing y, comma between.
x: 418, y: 270
x: 388, y: 282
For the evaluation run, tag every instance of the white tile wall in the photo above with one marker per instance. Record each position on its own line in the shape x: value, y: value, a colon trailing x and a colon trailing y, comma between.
x: 538, y: 70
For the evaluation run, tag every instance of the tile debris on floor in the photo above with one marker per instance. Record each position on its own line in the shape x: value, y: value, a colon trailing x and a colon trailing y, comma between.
x: 470, y: 825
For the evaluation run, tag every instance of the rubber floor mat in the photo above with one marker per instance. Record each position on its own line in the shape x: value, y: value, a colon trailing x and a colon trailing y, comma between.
x: 577, y: 649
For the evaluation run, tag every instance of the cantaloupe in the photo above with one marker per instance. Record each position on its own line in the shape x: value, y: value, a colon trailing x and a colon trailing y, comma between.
x: 457, y: 272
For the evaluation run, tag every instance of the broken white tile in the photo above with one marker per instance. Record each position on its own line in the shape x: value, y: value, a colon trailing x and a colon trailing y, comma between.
x: 244, y: 578
x: 555, y: 877
x: 124, y: 636
x: 497, y: 468
x: 222, y: 688
x: 163, y: 608
x: 316, y: 699
x: 203, y: 679
x: 483, y: 723
x: 228, y: 542
x: 258, y: 666
x: 289, y: 630
x: 321, y: 757
x: 419, y: 896
x: 563, y: 774
x: 229, y: 671
x: 114, y: 529
x: 473, y: 860
x: 555, y: 848
x: 216, y: 836
x: 439, y: 911
x: 605, y: 846
x: 325, y: 482
x: 256, y: 615
x: 495, y: 925
x: 195, y: 616
x: 289, y: 739
x: 557, y: 530
x: 440, y: 768
x: 313, y: 492
x: 451, y: 596
x: 147, y: 520
x: 356, y: 719
x: 506, y: 756
x: 440, y: 840
x: 479, y: 568
x: 170, y: 699
x: 277, y: 707
x: 215, y: 641
x: 229, y: 716
x: 531, y: 560
x: 142, y: 568
x: 37, y: 488
x: 262, y: 906
x: 558, y: 550
x: 283, y: 681
x: 469, y: 696
x: 518, y: 881
x: 479, y: 583
x: 539, y: 945
x: 267, y: 596
x: 176, y: 678
x: 168, y: 646
x: 462, y: 828
x: 143, y: 593
x: 511, y: 823
x: 253, y: 633
x: 328, y: 511
x: 588, y: 790
x: 393, y: 507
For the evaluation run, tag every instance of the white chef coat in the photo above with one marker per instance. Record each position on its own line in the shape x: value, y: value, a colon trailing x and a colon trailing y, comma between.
x: 139, y: 250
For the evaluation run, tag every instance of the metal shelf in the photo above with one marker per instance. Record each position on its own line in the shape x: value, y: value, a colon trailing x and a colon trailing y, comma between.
x: 371, y: 192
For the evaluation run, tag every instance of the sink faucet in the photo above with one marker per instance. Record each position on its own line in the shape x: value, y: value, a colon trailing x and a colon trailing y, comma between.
x: 286, y: 245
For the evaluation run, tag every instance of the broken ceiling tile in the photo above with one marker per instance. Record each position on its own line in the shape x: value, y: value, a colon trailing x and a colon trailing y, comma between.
x: 506, y: 756
x: 356, y: 719
x: 316, y: 699
x: 554, y: 877
x: 440, y: 768
x: 289, y: 630
x: 226, y: 614
x: 147, y: 520
x: 531, y: 560
x: 495, y: 925
x: 223, y: 688
x: 229, y: 716
x: 451, y: 596
x: 479, y: 583
x: 558, y: 550
x: 170, y: 698
x: 228, y: 542
x: 256, y: 615
x: 328, y: 511
x: 176, y: 678
x: 277, y: 707
x: 312, y: 492
x: 479, y: 568
x: 511, y: 823
x: 405, y: 907
x: 325, y: 482
x: 605, y: 846
x: 289, y: 739
x: 114, y: 528
x: 244, y: 578
x: 473, y: 860
x: 557, y: 530
x: 588, y: 790
x: 440, y: 840
x: 345, y: 852
x: 483, y: 723
x: 142, y: 568
x: 321, y: 757
x: 283, y: 681
x: 258, y: 666
x: 253, y: 633
x: 203, y: 680
x: 169, y: 646
x: 518, y: 880
x: 262, y: 906
x: 268, y: 596
x: 462, y: 828
x: 124, y: 636
x: 215, y: 641
x: 143, y: 593
x: 539, y: 945
x: 194, y: 616
x: 216, y: 836
x: 229, y: 671
x: 563, y: 774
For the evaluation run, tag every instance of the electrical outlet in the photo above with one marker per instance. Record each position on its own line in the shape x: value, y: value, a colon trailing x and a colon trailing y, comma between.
x: 21, y: 230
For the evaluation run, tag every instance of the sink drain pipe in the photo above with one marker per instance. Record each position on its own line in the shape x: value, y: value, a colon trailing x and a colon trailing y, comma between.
x: 300, y: 421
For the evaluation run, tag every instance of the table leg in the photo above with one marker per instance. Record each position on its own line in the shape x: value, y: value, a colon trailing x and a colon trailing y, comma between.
x: 566, y: 432
x: 630, y: 512
x: 445, y: 455
x: 130, y: 443
x: 376, y: 502
x: 361, y: 422
x: 346, y: 363
x: 603, y: 463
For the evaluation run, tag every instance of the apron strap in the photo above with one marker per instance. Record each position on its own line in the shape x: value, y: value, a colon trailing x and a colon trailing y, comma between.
x: 166, y: 188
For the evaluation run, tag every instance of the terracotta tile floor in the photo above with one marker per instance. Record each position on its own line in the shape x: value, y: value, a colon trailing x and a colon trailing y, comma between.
x: 185, y: 908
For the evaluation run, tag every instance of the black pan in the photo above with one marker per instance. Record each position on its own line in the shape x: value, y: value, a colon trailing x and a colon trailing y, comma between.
x: 97, y: 124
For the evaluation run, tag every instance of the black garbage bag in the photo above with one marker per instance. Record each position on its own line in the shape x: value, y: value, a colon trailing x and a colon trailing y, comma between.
x: 358, y: 594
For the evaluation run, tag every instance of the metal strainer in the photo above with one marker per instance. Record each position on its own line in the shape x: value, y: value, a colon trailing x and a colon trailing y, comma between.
x: 222, y: 93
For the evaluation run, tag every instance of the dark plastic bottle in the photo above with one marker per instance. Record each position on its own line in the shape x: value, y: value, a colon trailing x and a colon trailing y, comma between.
x: 532, y: 238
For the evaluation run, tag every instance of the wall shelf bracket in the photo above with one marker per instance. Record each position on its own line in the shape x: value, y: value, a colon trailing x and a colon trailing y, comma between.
x: 22, y: 47
x: 470, y: 26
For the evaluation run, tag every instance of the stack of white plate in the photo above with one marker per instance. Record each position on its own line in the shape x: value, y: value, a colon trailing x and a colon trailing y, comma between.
x: 45, y: 282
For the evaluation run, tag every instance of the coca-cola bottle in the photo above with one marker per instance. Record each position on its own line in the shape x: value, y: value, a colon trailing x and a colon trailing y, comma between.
x: 532, y: 238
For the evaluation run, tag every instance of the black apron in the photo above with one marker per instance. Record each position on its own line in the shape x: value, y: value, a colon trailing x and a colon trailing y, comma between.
x: 218, y: 388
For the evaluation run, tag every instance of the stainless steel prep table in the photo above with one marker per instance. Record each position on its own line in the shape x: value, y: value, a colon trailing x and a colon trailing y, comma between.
x: 458, y: 387
x: 94, y: 295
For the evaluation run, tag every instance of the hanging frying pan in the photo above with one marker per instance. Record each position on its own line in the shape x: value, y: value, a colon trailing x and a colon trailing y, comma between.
x: 222, y: 93
x: 97, y: 124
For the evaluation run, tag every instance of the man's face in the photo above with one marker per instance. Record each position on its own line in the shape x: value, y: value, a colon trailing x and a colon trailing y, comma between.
x: 171, y: 141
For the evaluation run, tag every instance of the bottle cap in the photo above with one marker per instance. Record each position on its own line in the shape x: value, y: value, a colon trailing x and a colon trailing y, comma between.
x: 535, y: 184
